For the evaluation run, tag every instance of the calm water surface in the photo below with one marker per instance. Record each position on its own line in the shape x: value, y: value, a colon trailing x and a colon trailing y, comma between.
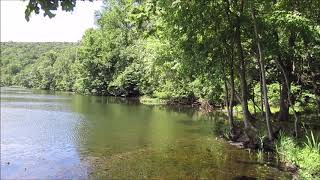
x: 59, y: 136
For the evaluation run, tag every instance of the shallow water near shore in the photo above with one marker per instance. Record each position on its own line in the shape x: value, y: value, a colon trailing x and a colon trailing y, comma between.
x: 53, y: 135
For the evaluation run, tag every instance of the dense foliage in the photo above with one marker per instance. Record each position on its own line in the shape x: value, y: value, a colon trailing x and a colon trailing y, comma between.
x: 38, y: 65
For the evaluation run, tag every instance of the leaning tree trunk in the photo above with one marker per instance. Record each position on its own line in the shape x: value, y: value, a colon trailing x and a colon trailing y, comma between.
x: 263, y: 76
x: 261, y: 91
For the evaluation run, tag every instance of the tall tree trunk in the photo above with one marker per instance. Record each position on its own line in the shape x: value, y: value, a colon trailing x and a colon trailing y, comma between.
x: 261, y: 97
x: 287, y: 66
x: 289, y: 99
x: 247, y: 117
x: 291, y: 42
x: 284, y: 103
x: 231, y: 68
x: 263, y: 75
x: 231, y: 93
x: 286, y: 70
x: 254, y: 101
x: 242, y: 77
x: 285, y: 88
x: 229, y: 108
x: 228, y: 105
x: 229, y: 101
x: 261, y: 88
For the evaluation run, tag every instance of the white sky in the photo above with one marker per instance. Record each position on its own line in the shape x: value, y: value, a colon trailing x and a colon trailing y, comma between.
x: 64, y: 27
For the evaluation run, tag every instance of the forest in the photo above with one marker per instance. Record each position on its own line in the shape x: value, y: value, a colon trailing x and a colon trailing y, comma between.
x: 260, y: 58
x: 37, y: 65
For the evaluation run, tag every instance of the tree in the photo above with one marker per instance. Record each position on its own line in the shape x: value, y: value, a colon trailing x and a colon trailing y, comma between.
x: 48, y: 6
x: 263, y: 72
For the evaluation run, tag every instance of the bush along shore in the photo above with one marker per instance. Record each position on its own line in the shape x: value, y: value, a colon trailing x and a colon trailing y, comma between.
x: 302, y: 154
x: 299, y: 156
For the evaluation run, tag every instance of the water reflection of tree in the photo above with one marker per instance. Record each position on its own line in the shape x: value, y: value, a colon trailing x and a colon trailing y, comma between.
x: 113, y: 126
x: 121, y: 140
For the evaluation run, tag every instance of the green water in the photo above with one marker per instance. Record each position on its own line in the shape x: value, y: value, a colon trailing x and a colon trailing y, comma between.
x: 46, y: 135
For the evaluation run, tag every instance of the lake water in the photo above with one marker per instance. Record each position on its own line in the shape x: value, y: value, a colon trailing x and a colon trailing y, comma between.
x: 47, y: 135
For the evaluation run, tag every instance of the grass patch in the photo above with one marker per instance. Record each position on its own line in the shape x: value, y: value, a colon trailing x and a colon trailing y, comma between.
x: 152, y: 101
x: 305, y: 156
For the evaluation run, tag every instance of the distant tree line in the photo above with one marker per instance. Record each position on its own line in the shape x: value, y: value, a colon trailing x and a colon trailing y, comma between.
x: 38, y: 65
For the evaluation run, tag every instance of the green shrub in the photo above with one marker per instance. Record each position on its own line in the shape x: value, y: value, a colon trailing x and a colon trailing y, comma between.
x: 287, y: 149
x: 309, y: 162
x: 305, y: 157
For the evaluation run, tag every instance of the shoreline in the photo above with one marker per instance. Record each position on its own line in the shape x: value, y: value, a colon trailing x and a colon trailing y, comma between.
x: 196, y: 105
